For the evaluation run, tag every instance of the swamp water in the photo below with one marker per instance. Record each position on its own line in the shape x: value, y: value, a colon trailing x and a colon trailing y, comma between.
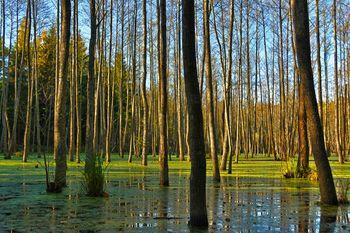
x: 137, y: 204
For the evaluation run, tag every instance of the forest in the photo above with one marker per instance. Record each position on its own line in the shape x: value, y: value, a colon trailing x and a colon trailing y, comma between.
x: 175, y: 116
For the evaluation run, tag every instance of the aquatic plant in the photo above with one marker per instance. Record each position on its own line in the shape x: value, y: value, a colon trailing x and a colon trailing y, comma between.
x: 312, y: 175
x: 51, y: 187
x: 19, y: 154
x: 343, y: 187
x: 94, y: 178
x: 288, y: 169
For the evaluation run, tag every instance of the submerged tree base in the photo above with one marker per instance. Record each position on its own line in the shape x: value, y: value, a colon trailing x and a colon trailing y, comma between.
x: 52, y: 187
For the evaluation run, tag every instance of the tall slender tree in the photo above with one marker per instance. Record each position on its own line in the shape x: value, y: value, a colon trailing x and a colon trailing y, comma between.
x: 198, y: 209
x: 90, y: 89
x: 143, y: 86
x: 302, y: 43
x: 60, y: 101
x: 163, y: 98
x: 27, y: 129
x: 210, y: 97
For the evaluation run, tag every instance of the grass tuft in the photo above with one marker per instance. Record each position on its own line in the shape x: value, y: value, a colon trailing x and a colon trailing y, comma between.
x: 343, y: 188
x: 288, y: 169
x: 94, y: 178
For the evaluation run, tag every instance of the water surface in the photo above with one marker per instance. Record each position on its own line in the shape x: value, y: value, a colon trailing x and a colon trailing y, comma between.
x: 138, y: 204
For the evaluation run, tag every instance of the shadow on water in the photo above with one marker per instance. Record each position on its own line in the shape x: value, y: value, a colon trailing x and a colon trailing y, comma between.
x: 138, y: 204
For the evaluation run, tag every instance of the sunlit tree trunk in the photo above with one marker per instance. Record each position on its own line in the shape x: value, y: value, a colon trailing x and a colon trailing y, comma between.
x: 72, y: 95
x: 143, y: 87
x: 302, y: 44
x: 133, y: 88
x: 77, y: 81
x: 35, y: 76
x: 60, y: 101
x: 121, y: 88
x: 27, y: 129
x: 336, y: 86
x: 318, y: 59
x: 179, y: 108
x: 17, y: 83
x: 110, y: 89
x: 90, y: 153
x: 227, y: 149
x: 210, y: 97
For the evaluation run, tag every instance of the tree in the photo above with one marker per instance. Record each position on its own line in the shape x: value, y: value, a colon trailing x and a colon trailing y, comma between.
x: 27, y: 129
x: 210, y: 97
x: 4, y: 95
x: 198, y: 210
x: 336, y: 85
x: 143, y: 86
x: 90, y: 153
x: 302, y: 44
x: 60, y: 101
x: 163, y: 97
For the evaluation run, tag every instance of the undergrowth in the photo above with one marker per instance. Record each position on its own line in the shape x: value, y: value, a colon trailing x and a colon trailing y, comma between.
x: 94, y: 176
x: 343, y: 188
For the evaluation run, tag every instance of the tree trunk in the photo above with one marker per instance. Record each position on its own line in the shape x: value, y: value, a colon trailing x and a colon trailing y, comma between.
x: 60, y: 101
x: 27, y: 128
x: 336, y: 85
x: 163, y: 98
x: 198, y: 210
x: 210, y: 97
x: 90, y: 89
x: 302, y: 44
x: 143, y: 87
x: 37, y: 107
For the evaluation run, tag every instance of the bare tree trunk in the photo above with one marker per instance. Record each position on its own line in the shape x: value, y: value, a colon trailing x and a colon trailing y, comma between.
x: 4, y: 95
x: 143, y: 87
x: 110, y: 89
x: 303, y: 149
x: 163, y: 98
x: 179, y: 108
x: 57, y: 64
x: 90, y: 153
x: 302, y: 44
x: 198, y: 213
x: 282, y: 142
x: 210, y: 97
x: 37, y: 107
x: 121, y: 83
x: 72, y: 95
x: 133, y: 85
x: 227, y: 148
x: 27, y: 129
x: 77, y: 84
x: 17, y: 83
x: 336, y: 85
x: 319, y: 72
x: 60, y: 101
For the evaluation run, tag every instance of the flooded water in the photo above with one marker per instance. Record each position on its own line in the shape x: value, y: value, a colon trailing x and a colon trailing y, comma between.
x: 138, y: 204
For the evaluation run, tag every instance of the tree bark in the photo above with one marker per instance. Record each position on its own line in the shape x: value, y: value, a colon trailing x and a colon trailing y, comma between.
x: 90, y: 89
x: 198, y: 210
x: 210, y: 96
x: 143, y: 87
x: 60, y: 101
x: 336, y: 85
x: 302, y: 44
x: 163, y: 98
x: 27, y: 128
